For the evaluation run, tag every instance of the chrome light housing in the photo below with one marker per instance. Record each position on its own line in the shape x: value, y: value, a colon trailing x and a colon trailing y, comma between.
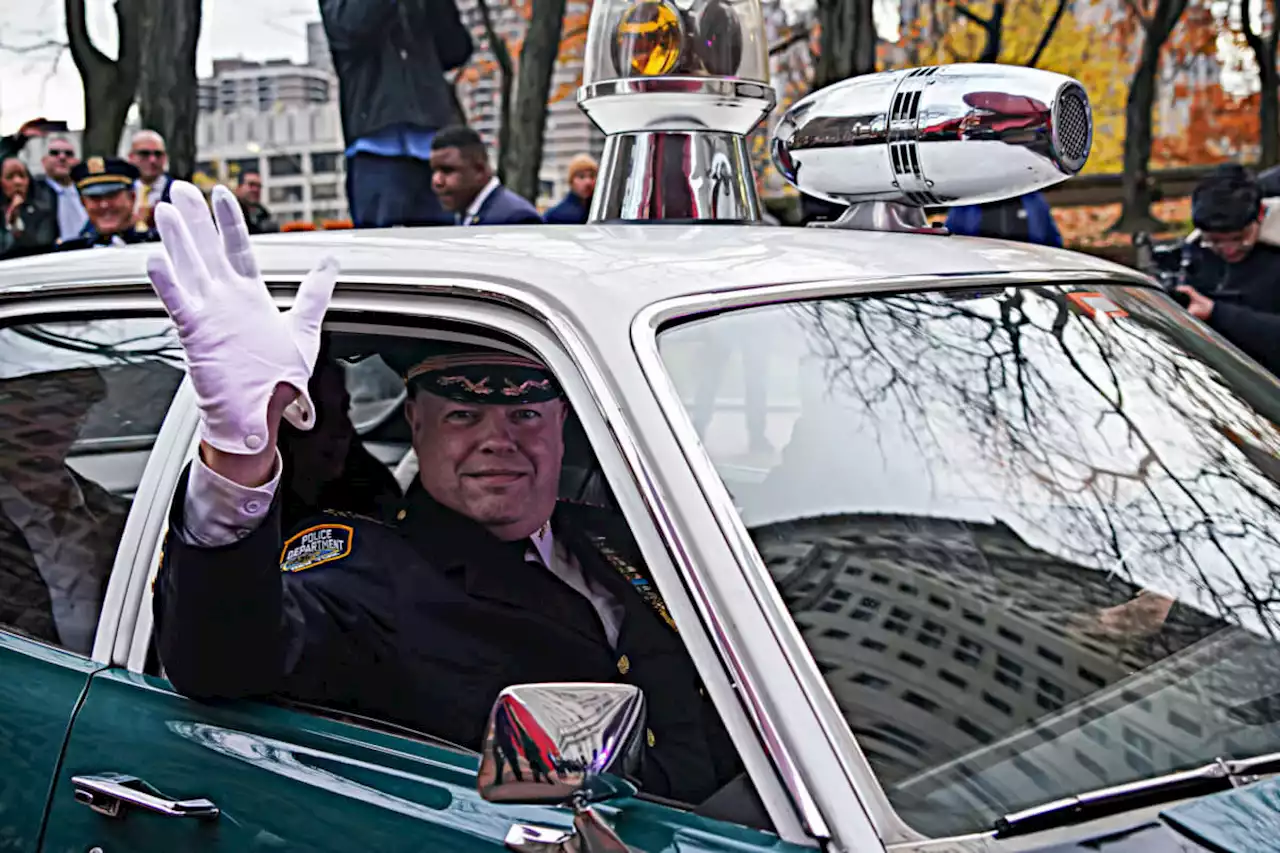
x: 936, y: 136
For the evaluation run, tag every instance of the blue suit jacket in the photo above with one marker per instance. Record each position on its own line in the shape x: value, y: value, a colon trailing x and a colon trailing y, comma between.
x: 1040, y: 225
x: 570, y: 211
x: 503, y: 207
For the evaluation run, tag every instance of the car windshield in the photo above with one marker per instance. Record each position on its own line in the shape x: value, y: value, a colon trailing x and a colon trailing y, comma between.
x: 1030, y: 535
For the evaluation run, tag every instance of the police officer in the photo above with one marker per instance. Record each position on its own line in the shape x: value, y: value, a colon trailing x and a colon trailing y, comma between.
x: 106, y: 187
x: 481, y: 580
x: 1238, y: 293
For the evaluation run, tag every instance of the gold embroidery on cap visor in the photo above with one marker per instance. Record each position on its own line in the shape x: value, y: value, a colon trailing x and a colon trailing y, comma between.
x: 496, y: 378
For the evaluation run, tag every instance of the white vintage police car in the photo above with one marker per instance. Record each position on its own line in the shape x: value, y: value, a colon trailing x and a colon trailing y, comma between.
x: 976, y: 545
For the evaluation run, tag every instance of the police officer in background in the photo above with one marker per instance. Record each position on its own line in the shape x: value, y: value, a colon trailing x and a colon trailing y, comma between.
x: 1239, y: 295
x: 482, y: 580
x: 106, y: 186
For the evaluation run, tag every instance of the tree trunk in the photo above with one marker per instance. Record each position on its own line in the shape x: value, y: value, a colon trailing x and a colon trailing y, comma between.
x: 1136, y: 189
x: 1264, y: 54
x: 523, y: 159
x: 109, y: 85
x: 168, y: 92
x: 502, y: 56
x: 847, y: 43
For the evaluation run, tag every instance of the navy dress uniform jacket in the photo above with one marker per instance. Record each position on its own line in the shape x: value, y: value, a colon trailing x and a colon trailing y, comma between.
x: 424, y: 622
x: 504, y: 207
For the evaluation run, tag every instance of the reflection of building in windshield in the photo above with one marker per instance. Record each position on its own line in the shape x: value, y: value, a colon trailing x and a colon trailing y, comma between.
x: 940, y: 637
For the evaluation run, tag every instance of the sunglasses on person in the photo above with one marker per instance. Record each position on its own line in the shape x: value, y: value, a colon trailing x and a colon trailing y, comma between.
x: 148, y: 152
x: 61, y: 152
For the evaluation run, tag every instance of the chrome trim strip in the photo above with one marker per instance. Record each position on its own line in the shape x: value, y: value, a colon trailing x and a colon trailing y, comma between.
x: 368, y: 294
x: 892, y: 829
x: 719, y: 87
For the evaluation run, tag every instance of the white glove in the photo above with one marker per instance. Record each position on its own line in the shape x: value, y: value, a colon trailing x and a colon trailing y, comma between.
x: 239, y: 346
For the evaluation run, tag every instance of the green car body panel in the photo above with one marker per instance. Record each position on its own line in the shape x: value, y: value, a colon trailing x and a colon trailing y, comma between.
x: 288, y: 780
x: 39, y: 692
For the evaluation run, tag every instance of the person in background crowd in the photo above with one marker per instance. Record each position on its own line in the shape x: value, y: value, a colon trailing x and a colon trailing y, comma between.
x: 106, y: 187
x: 59, y: 159
x: 30, y: 223
x: 466, y: 186
x: 1026, y: 219
x: 1245, y: 306
x: 256, y: 216
x: 390, y: 59
x: 12, y: 145
x: 147, y: 152
x: 574, y: 207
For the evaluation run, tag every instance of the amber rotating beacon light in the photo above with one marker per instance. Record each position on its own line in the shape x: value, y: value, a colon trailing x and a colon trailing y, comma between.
x: 676, y: 86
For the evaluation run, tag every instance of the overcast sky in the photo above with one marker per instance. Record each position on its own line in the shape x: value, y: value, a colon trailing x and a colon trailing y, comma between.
x: 31, y: 85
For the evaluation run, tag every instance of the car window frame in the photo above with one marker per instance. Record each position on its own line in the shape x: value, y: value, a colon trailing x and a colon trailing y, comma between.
x: 136, y: 302
x: 358, y: 301
x: 645, y: 332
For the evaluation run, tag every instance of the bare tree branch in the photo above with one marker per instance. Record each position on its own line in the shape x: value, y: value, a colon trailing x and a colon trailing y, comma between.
x: 1047, y: 35
x: 793, y: 38
x: 501, y: 55
x: 38, y: 47
x: 972, y: 15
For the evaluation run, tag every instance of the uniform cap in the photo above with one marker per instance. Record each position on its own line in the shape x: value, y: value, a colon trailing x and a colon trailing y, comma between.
x: 104, y: 175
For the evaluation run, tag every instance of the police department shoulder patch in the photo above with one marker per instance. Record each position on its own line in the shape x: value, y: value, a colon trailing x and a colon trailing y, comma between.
x: 316, y: 545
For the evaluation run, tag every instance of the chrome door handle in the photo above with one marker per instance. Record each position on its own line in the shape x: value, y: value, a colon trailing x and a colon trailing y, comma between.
x: 110, y: 793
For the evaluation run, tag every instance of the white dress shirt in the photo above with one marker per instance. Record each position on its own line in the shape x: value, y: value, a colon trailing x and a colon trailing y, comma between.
x: 473, y: 209
x: 71, y: 213
x: 219, y: 512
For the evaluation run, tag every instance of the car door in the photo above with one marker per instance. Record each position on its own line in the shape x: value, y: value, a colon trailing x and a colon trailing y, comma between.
x: 284, y: 776
x: 82, y: 398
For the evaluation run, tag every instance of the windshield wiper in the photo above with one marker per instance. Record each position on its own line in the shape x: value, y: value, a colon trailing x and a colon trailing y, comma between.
x: 1210, y: 779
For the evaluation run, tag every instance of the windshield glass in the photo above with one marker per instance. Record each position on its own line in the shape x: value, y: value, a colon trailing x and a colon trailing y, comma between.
x: 1030, y: 535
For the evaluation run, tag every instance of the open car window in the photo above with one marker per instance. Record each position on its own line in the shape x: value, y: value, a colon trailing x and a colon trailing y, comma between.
x: 1030, y: 535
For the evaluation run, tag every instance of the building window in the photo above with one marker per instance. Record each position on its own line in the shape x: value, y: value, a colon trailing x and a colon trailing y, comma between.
x: 1091, y: 677
x: 1051, y: 656
x: 908, y: 658
x: 874, y: 645
x: 285, y: 165
x: 866, y: 679
x: 940, y: 603
x: 236, y: 168
x: 325, y: 162
x: 1009, y: 665
x: 976, y: 732
x: 953, y: 679
x: 1008, y: 680
x: 833, y: 633
x: 326, y: 192
x: 1005, y: 633
x: 285, y: 195
x: 999, y: 704
x: 921, y: 702
x: 870, y: 603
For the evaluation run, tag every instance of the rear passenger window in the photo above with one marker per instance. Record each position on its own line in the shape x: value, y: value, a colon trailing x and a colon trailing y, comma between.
x: 80, y: 406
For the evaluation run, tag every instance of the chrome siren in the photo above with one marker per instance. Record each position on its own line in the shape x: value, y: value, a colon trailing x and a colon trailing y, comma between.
x: 936, y: 136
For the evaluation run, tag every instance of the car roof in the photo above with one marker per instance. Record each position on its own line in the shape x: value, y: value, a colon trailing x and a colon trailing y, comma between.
x: 618, y: 267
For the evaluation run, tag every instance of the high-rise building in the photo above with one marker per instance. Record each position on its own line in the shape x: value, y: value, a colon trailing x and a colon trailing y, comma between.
x: 281, y: 120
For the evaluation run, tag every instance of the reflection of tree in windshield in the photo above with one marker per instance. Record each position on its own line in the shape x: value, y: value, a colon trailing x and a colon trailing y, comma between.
x: 1105, y: 444
x: 1021, y: 531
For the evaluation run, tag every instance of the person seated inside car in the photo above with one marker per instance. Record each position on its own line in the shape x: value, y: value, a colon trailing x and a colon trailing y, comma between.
x: 328, y: 468
x: 482, y: 580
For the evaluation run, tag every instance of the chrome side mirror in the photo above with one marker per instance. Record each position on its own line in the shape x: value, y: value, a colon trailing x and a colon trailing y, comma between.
x: 563, y: 744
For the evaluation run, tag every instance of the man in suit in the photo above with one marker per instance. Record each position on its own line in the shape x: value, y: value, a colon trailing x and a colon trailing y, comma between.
x: 481, y: 579
x: 148, y: 154
x: 465, y: 183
